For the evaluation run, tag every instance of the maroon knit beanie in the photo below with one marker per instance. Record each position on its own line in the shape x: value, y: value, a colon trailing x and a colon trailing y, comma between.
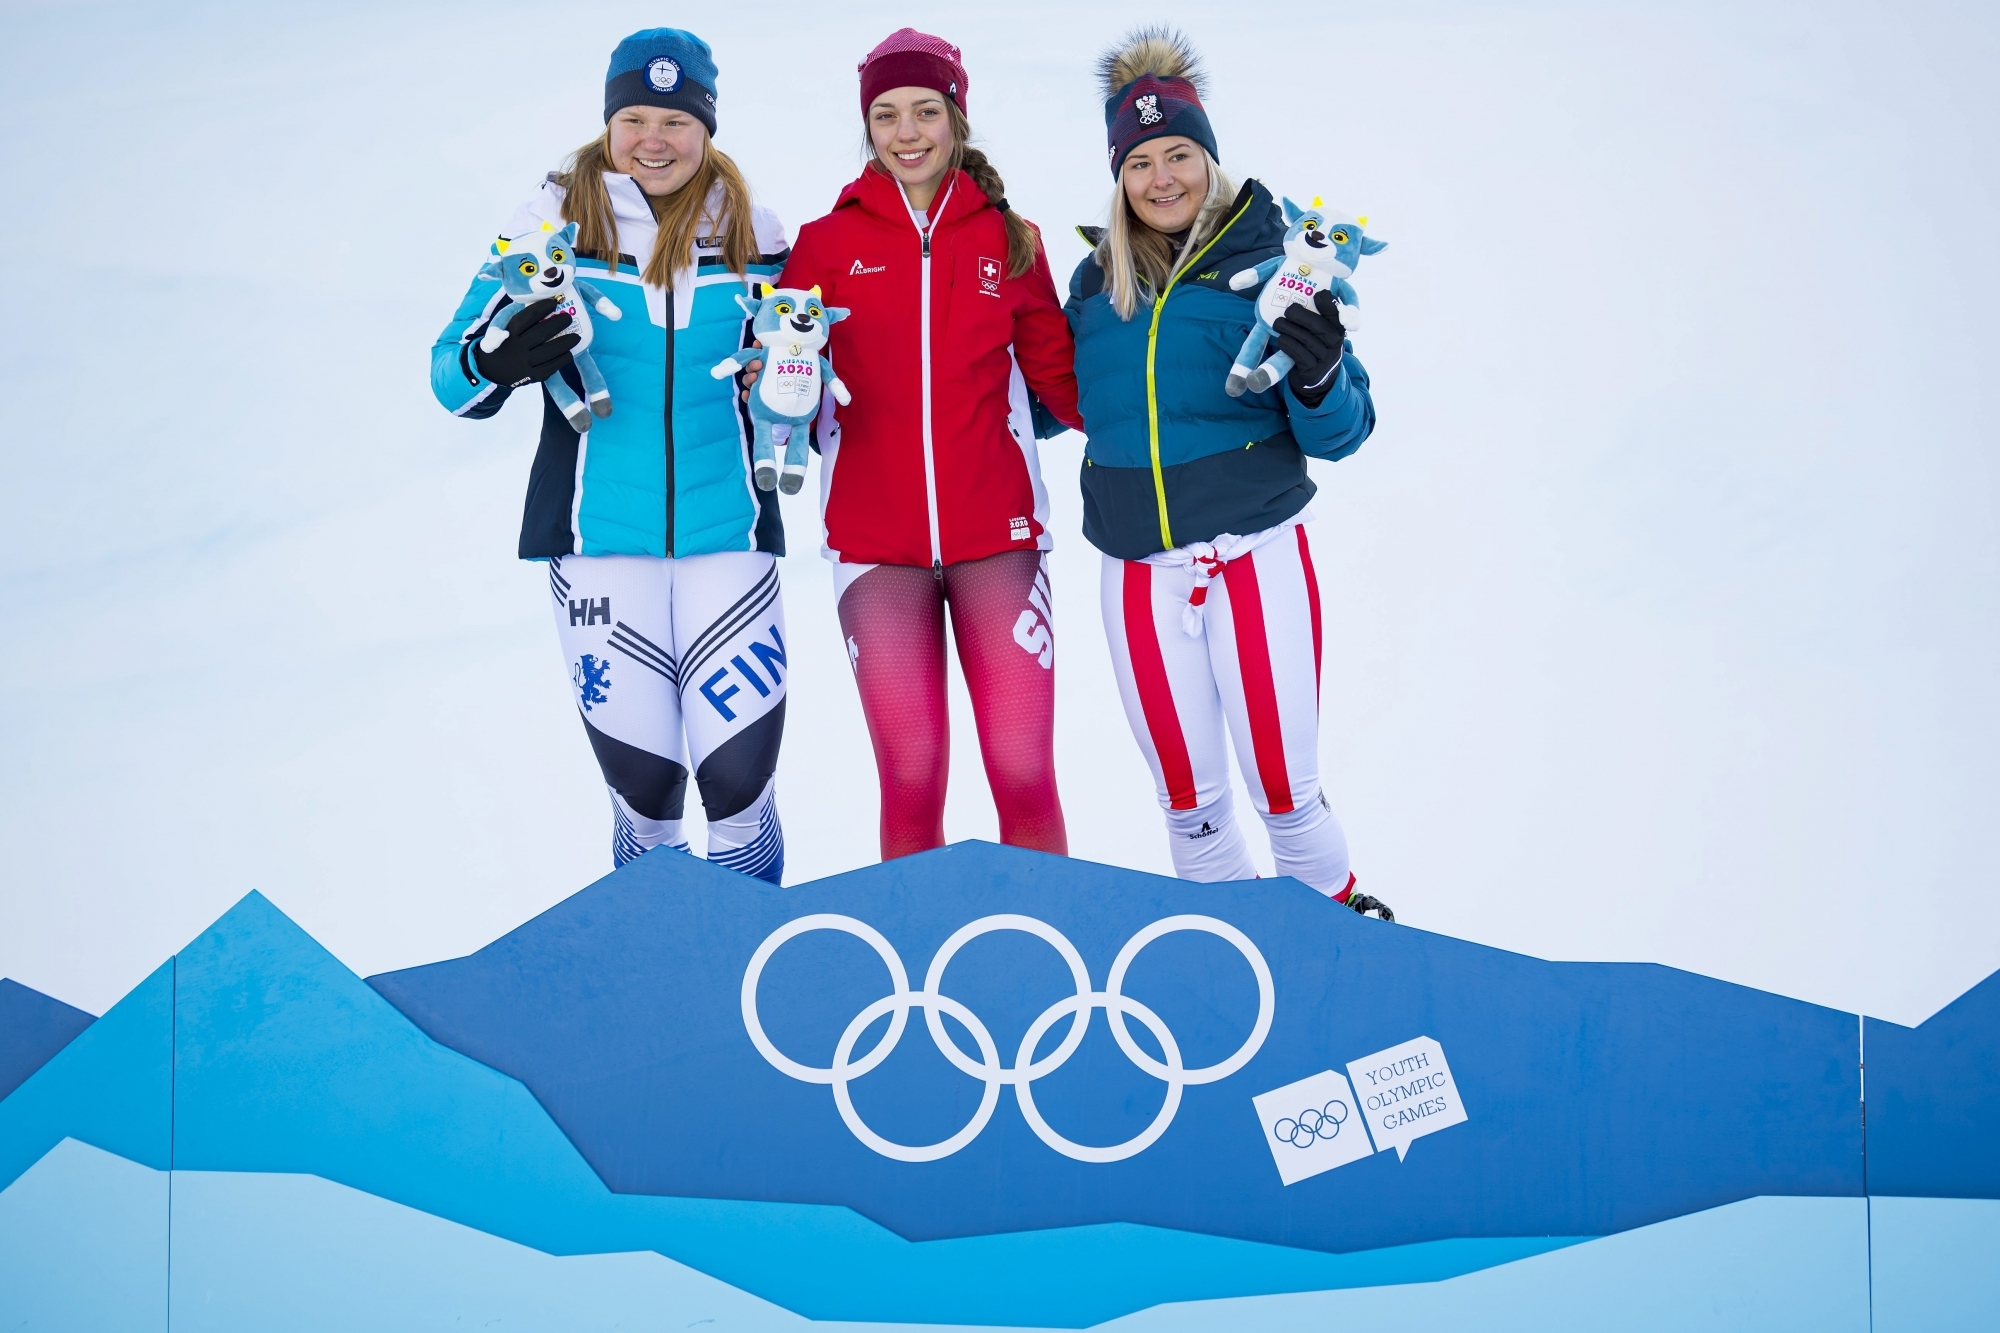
x: 907, y: 58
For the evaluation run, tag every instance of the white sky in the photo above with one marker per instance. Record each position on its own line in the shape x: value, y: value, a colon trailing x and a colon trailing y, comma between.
x: 1661, y: 607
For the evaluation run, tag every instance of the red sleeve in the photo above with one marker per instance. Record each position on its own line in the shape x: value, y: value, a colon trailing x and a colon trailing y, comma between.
x: 801, y: 264
x: 1043, y: 344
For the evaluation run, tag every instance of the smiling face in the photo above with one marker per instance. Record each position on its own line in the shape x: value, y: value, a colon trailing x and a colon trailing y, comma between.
x: 658, y: 147
x: 910, y: 129
x: 1330, y: 240
x: 1306, y: 240
x: 536, y: 265
x: 1339, y: 242
x: 1165, y: 181
x: 789, y: 318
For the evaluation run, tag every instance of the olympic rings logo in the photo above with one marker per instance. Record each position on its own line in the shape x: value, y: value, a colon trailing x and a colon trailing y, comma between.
x: 1021, y: 1075
x: 1311, y: 1125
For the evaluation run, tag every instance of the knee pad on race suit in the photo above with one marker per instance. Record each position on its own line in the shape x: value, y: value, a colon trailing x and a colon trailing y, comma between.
x: 653, y: 785
x: 736, y: 772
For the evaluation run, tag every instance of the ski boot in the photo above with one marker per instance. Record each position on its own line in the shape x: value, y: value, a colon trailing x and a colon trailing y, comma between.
x: 1362, y: 903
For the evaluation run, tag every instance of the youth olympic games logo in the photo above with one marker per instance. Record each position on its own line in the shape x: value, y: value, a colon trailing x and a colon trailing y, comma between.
x: 1311, y: 1124
x: 1022, y: 1074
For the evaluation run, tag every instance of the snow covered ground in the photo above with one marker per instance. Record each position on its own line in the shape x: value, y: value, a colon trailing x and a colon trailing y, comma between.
x: 1662, y: 606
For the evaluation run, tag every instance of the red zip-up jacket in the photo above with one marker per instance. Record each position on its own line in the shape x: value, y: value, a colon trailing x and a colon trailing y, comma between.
x: 934, y: 460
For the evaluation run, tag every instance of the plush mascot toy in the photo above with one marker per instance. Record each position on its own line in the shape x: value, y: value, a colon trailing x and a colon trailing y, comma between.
x: 1321, y: 250
x: 790, y: 327
x: 532, y: 268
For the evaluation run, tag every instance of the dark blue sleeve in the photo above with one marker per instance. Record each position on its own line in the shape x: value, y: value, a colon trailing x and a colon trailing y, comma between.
x: 1343, y: 419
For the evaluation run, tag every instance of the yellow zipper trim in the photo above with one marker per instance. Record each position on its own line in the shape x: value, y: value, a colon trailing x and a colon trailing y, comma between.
x: 1152, y: 397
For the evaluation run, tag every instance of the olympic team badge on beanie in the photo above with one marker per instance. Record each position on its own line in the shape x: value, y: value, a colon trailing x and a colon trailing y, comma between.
x: 907, y: 58
x: 1152, y: 83
x: 662, y: 67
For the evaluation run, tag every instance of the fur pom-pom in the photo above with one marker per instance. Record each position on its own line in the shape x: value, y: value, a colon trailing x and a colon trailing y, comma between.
x: 1155, y: 49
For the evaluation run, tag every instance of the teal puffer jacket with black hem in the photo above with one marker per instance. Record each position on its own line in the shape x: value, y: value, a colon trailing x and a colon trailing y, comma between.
x: 1172, y: 458
x: 668, y: 472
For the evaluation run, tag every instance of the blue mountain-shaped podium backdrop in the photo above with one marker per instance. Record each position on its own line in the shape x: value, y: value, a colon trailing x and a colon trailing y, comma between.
x: 588, y: 1086
x: 33, y: 1027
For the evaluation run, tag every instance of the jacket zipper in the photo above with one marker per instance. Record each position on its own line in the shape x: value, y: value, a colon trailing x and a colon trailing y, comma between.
x: 669, y: 426
x: 924, y: 333
x: 1152, y: 398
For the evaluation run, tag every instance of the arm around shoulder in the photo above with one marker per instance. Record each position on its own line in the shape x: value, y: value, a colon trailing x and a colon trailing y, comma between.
x: 802, y: 262
x: 1085, y: 281
x: 1044, y: 345
x: 772, y: 247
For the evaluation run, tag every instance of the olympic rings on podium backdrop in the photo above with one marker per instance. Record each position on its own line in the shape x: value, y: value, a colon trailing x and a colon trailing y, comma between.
x: 1312, y: 1123
x: 1021, y: 1075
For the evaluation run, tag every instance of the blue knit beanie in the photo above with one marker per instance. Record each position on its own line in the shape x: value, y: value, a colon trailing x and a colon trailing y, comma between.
x: 662, y: 67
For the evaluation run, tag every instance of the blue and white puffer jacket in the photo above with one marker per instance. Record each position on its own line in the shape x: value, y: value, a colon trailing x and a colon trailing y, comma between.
x: 668, y: 472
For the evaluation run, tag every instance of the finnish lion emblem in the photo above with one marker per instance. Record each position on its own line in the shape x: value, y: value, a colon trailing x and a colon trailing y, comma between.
x: 592, y: 677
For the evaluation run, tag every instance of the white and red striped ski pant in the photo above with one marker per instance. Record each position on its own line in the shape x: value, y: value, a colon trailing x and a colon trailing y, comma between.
x: 1253, y: 669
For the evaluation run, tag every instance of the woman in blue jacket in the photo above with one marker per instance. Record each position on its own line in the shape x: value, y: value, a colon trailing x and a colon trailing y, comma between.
x: 661, y: 552
x: 1197, y: 498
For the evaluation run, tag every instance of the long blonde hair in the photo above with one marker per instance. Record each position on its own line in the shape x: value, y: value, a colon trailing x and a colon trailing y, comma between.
x: 682, y: 215
x: 1137, y: 261
x: 1024, y: 242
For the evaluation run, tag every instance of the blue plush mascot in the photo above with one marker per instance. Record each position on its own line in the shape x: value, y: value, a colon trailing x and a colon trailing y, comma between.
x: 1321, y: 250
x: 790, y: 327
x: 535, y: 267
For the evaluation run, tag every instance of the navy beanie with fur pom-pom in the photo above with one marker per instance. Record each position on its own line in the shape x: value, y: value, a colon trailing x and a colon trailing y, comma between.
x: 1152, y: 83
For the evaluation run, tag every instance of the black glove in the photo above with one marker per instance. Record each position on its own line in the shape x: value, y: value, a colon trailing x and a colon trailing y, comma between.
x: 538, y: 345
x: 1313, y: 338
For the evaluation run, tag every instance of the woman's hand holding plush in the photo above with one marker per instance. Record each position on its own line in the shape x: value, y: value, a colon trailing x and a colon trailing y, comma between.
x: 1313, y: 337
x: 537, y: 346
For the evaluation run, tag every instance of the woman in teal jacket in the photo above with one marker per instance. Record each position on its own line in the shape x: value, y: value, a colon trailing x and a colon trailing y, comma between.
x: 1196, y: 498
x: 661, y: 552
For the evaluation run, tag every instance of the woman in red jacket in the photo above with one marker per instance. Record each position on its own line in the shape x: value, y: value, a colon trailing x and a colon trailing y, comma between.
x: 930, y: 485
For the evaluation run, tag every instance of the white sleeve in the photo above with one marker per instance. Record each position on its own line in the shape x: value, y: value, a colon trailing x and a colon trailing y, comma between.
x: 771, y: 238
x: 545, y: 206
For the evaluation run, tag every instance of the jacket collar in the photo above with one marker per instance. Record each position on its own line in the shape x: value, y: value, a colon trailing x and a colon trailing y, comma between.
x: 631, y: 207
x: 628, y: 201
x: 878, y: 193
x: 1254, y: 225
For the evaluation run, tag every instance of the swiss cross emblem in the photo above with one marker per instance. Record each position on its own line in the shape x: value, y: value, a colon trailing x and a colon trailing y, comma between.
x: 989, y: 276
